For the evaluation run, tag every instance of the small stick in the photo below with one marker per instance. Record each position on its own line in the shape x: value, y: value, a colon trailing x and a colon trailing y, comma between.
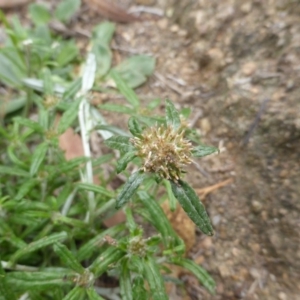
x: 205, y: 191
x: 255, y: 122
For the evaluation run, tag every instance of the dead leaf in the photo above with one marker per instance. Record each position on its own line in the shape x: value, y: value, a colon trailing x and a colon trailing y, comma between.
x: 13, y: 3
x: 182, y: 224
x: 112, y: 11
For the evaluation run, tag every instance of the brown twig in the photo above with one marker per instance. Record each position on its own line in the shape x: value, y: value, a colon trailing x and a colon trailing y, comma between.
x: 255, y: 122
x: 209, y: 189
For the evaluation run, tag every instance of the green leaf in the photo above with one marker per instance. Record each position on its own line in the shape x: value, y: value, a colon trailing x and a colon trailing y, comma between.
x: 109, y: 256
x: 12, y: 105
x: 117, y: 108
x: 121, y: 143
x: 30, y: 124
x: 13, y: 171
x: 5, y: 290
x: 66, y: 9
x: 77, y: 293
x: 25, y: 188
x: 192, y: 205
x: 134, y: 126
x: 92, y: 245
x: 38, y: 157
x: 172, y: 115
x: 24, y: 281
x: 72, y: 89
x: 158, y: 218
x: 124, y: 160
x: 129, y: 188
x: 39, y: 14
x: 102, y: 35
x: 125, y: 281
x: 198, y: 271
x: 41, y: 243
x: 95, y: 188
x: 138, y: 288
x: 202, y: 150
x: 69, y: 116
x: 68, y: 52
x: 125, y: 89
x: 93, y: 295
x: 171, y: 197
x: 154, y: 279
x: 10, y: 73
x: 135, y: 69
x: 68, y: 258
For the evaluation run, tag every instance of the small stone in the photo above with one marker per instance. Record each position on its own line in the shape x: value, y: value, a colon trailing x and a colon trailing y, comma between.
x: 224, y: 271
x: 282, y: 296
x: 249, y: 68
x: 174, y: 28
x: 205, y: 126
x: 216, y: 220
x: 235, y: 252
x: 163, y: 23
x: 246, y: 7
x: 256, y: 206
x: 255, y: 248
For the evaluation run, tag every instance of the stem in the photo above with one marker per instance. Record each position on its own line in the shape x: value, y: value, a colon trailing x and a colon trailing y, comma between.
x: 88, y: 178
x: 6, y: 265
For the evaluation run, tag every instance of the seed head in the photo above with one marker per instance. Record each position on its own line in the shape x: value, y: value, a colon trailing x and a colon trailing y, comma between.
x: 164, y: 151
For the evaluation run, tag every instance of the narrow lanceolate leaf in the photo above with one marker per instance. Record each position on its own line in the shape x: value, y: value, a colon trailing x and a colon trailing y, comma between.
x: 154, y: 279
x: 130, y: 188
x: 68, y: 258
x: 93, y: 295
x: 25, y: 188
x: 124, y: 89
x: 68, y: 117
x: 203, y: 150
x: 94, y: 188
x: 41, y: 243
x: 157, y: 217
x: 13, y: 171
x: 121, y: 143
x: 24, y: 281
x: 138, y: 288
x: 30, y: 124
x: 198, y: 271
x: 125, y: 282
x: 38, y: 157
x: 77, y: 293
x: 117, y: 108
x: 5, y: 290
x: 192, y: 205
x: 109, y: 256
x: 134, y: 126
x: 93, y: 245
x: 172, y: 115
x: 124, y: 160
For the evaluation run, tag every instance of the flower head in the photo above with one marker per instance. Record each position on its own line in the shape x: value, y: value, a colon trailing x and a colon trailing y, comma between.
x: 164, y: 151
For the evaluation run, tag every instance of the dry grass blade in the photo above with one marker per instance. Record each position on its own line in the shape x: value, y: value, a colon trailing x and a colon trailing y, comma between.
x: 205, y: 191
x: 112, y: 11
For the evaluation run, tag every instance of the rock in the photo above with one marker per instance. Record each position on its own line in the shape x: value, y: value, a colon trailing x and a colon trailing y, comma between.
x: 249, y: 68
x: 256, y: 206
